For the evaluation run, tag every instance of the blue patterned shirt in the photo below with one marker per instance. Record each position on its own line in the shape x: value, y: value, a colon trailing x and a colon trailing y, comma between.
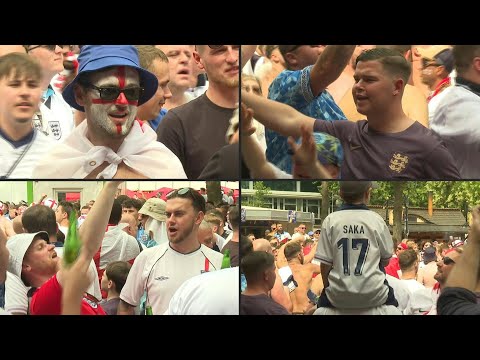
x: 293, y: 88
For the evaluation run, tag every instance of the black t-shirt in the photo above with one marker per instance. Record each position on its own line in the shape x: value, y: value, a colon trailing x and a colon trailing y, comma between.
x: 415, y: 153
x: 260, y: 305
x: 223, y: 164
x: 194, y: 132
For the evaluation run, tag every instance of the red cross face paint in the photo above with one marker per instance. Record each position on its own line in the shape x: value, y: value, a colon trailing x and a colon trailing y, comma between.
x: 114, y: 100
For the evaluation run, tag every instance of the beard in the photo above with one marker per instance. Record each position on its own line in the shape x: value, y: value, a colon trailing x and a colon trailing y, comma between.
x: 100, y: 119
x: 182, y: 234
x: 219, y: 78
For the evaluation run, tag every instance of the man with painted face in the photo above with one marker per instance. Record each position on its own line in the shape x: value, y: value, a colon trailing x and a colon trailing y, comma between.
x: 109, y: 87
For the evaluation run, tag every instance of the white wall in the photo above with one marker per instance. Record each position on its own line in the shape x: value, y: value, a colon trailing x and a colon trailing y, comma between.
x: 153, y: 185
x: 17, y: 190
x: 13, y: 191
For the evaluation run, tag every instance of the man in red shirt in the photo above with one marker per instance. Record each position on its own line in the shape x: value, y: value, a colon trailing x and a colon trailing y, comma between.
x: 35, y: 261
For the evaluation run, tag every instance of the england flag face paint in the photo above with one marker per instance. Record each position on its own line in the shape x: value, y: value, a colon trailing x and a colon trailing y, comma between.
x: 114, y: 100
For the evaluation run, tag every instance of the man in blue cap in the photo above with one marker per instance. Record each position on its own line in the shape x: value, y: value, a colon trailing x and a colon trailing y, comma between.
x: 109, y: 87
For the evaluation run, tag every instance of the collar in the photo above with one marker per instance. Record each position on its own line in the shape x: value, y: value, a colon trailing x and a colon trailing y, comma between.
x: 467, y: 84
x: 354, y: 207
x: 16, y: 144
x: 440, y: 87
x: 47, y: 96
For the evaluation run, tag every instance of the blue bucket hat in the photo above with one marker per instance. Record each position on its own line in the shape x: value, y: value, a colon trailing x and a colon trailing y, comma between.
x: 97, y: 57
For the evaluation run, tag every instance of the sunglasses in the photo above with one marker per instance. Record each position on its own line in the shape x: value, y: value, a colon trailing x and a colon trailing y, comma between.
x: 48, y: 47
x: 317, y: 232
x: 181, y: 191
x: 448, y: 261
x: 112, y: 93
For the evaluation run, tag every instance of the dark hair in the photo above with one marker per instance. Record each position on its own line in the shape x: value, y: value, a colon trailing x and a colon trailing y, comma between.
x: 254, y: 264
x: 129, y: 203
x: 292, y: 249
x: 39, y: 218
x: 234, y: 217
x: 67, y: 207
x: 116, y: 214
x: 21, y: 65
x: 246, y: 246
x: 117, y: 271
x: 122, y: 198
x: 86, y: 207
x: 464, y: 55
x: 393, y: 62
x: 198, y: 202
x: 407, y: 258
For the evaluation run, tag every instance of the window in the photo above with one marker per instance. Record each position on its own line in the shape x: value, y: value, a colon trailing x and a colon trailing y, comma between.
x: 290, y: 204
x: 280, y: 202
x: 268, y: 203
x: 68, y: 195
x: 245, y: 184
x: 281, y: 185
x: 310, y: 186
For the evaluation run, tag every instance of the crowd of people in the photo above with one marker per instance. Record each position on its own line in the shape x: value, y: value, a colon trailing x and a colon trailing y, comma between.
x: 352, y: 265
x: 119, y: 111
x: 361, y: 112
x: 149, y: 249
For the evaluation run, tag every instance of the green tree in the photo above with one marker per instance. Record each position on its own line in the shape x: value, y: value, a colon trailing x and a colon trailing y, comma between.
x: 258, y: 198
x: 214, y: 192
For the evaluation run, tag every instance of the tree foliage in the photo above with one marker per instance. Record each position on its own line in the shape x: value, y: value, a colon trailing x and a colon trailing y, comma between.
x: 258, y: 198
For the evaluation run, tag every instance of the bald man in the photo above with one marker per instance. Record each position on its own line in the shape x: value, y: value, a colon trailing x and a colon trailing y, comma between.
x: 132, y: 227
x: 205, y: 235
x: 279, y: 293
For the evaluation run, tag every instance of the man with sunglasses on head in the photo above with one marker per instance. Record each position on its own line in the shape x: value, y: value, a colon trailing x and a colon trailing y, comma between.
x: 159, y: 271
x: 109, y: 87
x: 55, y: 118
x: 196, y: 131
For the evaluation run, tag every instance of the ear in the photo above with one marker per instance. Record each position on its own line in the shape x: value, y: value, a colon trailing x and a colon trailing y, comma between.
x: 291, y: 59
x: 398, y: 86
x: 110, y: 284
x: 79, y: 95
x: 476, y: 64
x: 199, y: 218
x: 198, y: 60
x: 26, y: 267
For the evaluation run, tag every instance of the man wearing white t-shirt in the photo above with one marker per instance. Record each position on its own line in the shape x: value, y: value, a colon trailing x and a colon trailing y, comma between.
x: 55, y: 118
x: 159, y: 271
x: 282, y: 236
x: 21, y: 145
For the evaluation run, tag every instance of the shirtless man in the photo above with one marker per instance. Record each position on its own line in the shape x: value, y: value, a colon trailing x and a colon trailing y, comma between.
x: 302, y: 273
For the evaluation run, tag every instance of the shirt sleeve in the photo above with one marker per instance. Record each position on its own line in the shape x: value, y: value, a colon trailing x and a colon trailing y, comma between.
x: 135, y: 285
x: 170, y: 133
x: 292, y: 88
x: 16, y: 298
x: 440, y: 165
x: 457, y: 301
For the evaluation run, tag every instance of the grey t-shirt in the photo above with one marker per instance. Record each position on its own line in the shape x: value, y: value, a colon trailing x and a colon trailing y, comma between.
x: 260, y: 305
x: 194, y: 132
x: 415, y: 153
